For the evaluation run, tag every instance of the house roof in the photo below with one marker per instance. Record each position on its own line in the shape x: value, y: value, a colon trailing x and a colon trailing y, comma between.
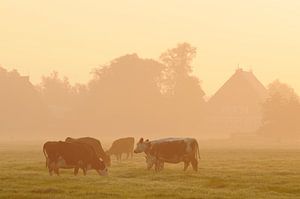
x: 242, y: 88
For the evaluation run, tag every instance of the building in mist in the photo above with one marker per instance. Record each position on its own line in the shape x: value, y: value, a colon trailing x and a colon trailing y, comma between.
x: 237, y: 106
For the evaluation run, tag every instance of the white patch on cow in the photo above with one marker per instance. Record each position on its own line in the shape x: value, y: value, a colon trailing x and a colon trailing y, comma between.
x: 61, y: 163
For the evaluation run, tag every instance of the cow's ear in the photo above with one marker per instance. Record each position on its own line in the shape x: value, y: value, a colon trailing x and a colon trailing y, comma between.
x: 141, y: 140
x: 147, y: 140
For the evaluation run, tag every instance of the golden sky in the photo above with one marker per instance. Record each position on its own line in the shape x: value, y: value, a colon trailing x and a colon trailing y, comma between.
x: 73, y: 37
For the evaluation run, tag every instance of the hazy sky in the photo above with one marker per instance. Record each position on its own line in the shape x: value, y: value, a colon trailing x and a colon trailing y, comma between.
x: 73, y: 37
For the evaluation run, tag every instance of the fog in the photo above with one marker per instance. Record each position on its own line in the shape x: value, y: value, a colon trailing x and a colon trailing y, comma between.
x: 133, y: 96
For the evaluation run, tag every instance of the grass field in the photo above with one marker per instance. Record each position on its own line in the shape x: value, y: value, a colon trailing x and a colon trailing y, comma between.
x: 224, y: 173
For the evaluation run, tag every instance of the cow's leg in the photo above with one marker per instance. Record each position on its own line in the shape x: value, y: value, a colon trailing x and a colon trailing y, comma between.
x: 84, y: 167
x: 161, y: 165
x: 76, y: 170
x: 186, y: 165
x: 127, y: 155
x: 50, y: 170
x: 157, y: 166
x: 84, y: 170
x: 56, y: 170
x: 55, y: 167
x: 120, y: 156
x: 194, y: 163
x: 50, y: 166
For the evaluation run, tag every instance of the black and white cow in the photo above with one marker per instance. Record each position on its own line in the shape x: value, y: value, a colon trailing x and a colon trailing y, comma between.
x: 170, y: 150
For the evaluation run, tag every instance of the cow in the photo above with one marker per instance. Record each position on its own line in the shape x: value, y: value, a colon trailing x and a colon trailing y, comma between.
x: 122, y: 145
x: 96, y: 145
x: 72, y: 155
x: 170, y: 150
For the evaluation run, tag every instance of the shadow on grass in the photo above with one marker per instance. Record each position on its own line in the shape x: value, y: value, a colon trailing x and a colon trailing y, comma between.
x: 286, y: 190
x: 216, y: 183
x: 47, y: 191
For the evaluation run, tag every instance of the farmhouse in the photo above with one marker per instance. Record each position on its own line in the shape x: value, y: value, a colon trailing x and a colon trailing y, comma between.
x: 236, y: 106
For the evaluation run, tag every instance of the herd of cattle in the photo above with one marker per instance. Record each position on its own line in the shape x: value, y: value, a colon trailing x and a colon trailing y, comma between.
x: 87, y: 153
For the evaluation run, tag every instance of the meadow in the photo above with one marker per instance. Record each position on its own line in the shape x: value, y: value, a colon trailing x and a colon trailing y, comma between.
x: 223, y: 173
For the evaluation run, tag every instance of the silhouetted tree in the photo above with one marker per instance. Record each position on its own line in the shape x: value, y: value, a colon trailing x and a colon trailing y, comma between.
x: 281, y: 112
x: 123, y: 96
x: 182, y: 91
x: 62, y: 100
x: 56, y: 92
x: 21, y: 109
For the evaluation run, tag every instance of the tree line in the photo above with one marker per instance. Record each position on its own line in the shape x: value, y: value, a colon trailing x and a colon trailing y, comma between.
x: 129, y: 96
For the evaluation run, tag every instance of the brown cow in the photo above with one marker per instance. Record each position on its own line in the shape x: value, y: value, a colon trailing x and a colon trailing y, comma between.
x: 170, y: 150
x: 95, y: 144
x: 122, y: 145
x: 72, y: 155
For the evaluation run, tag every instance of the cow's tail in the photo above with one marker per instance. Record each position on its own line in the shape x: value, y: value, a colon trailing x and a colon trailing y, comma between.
x: 46, y: 156
x: 197, y: 150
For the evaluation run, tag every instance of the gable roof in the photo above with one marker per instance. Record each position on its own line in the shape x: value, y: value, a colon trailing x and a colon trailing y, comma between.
x: 243, y: 88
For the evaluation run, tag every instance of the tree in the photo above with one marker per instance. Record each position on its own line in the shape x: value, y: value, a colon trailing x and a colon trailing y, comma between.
x: 177, y: 62
x: 56, y: 91
x: 22, y: 109
x: 124, y: 92
x: 182, y: 91
x: 281, y: 112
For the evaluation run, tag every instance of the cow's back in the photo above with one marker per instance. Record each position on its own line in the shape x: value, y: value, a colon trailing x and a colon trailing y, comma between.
x: 94, y: 143
x: 173, y: 149
x: 96, y: 146
x: 122, y: 145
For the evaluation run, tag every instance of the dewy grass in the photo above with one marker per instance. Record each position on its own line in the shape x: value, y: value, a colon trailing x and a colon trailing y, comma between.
x: 223, y: 173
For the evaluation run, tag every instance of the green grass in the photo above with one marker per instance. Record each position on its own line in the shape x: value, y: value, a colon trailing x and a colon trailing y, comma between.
x: 223, y: 173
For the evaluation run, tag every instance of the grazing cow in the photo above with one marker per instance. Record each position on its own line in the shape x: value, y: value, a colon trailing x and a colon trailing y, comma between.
x: 170, y: 150
x: 72, y: 155
x: 96, y: 145
x: 122, y: 145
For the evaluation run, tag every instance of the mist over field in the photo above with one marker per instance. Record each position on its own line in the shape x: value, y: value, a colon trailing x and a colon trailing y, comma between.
x: 158, y: 99
x: 132, y: 96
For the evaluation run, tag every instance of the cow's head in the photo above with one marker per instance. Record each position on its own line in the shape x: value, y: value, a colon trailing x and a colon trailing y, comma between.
x: 100, y: 167
x: 142, y: 146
